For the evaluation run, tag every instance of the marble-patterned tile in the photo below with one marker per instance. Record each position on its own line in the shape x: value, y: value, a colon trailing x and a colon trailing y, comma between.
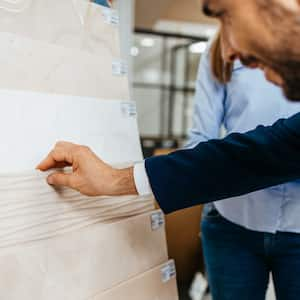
x: 31, y: 124
x: 78, y: 24
x: 27, y: 64
x: 61, y: 46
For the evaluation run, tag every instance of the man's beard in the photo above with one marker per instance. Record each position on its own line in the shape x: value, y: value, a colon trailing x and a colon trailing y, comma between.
x: 290, y: 72
x: 291, y: 90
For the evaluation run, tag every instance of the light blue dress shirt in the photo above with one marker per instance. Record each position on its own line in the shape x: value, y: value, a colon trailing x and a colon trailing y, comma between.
x: 241, y: 105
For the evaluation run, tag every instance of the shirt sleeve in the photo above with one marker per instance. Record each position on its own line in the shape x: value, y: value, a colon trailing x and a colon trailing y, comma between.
x: 209, y: 106
x: 141, y: 179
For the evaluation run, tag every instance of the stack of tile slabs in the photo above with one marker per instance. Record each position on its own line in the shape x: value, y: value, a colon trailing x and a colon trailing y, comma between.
x: 71, y: 48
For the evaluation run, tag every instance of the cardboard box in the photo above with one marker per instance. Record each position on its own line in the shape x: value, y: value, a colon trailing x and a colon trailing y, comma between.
x: 184, y: 244
x: 158, y: 283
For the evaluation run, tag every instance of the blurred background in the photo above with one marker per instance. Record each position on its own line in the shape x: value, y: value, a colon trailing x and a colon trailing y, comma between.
x: 168, y: 40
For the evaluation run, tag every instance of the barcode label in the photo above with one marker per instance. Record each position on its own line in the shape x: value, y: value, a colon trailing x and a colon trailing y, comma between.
x: 168, y: 271
x: 119, y: 67
x: 157, y: 220
x: 110, y: 16
x: 128, y: 109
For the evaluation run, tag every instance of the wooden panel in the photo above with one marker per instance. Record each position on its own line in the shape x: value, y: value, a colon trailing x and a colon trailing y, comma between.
x: 184, y: 243
x: 149, y: 12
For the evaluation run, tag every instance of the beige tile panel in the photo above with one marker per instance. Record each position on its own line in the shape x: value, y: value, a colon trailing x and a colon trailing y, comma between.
x: 80, y: 264
x: 27, y: 64
x: 78, y: 24
x: 146, y: 286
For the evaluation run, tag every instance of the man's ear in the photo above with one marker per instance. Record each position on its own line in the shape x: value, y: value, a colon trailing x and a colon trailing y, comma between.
x: 292, y: 5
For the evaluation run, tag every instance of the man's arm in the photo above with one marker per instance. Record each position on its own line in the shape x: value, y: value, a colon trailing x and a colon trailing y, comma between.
x: 89, y: 174
x: 213, y: 170
x: 219, y: 169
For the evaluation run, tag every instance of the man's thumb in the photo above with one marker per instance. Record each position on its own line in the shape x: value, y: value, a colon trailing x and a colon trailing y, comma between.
x: 59, y: 179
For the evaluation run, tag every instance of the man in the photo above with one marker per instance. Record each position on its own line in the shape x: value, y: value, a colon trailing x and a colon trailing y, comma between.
x: 261, y: 33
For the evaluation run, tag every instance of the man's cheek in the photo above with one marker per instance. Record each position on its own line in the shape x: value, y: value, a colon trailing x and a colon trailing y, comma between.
x: 232, y: 38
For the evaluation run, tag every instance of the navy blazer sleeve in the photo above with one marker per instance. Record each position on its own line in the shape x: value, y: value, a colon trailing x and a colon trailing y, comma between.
x: 236, y: 165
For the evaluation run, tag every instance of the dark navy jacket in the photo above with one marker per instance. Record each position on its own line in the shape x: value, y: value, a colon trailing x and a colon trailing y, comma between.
x: 219, y: 169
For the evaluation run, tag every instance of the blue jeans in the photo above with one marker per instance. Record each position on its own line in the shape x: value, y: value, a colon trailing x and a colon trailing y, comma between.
x: 239, y: 261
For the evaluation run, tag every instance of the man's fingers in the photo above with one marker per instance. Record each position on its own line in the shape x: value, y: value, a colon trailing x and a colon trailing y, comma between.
x: 55, y: 159
x: 60, y: 179
x: 50, y: 163
x: 60, y: 156
x: 47, y: 163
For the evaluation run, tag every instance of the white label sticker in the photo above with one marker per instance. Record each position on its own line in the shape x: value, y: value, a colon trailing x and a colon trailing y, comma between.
x: 157, y: 220
x: 110, y: 16
x: 168, y: 271
x: 119, y: 67
x: 128, y: 109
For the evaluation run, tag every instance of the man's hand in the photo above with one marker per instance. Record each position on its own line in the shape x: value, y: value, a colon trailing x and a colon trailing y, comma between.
x: 90, y: 175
